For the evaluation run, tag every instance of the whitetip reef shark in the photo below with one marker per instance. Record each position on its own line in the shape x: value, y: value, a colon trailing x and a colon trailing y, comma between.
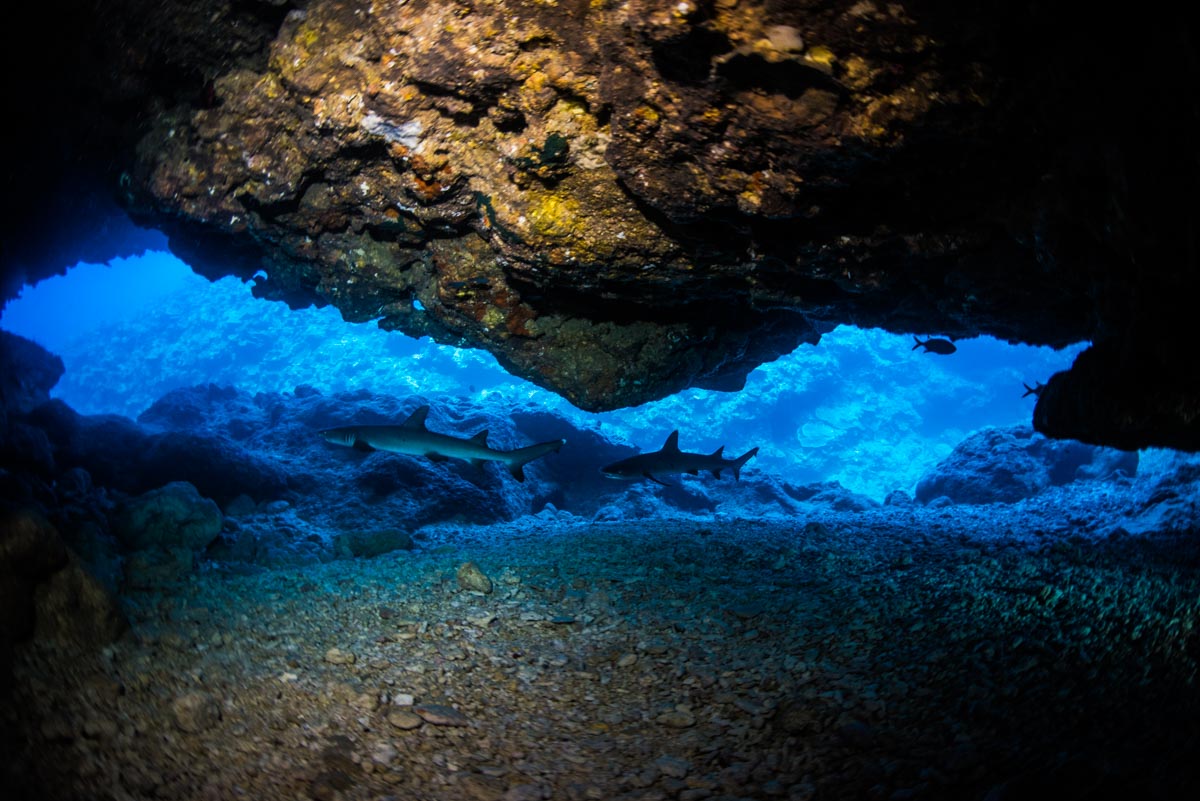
x: 412, y: 438
x: 669, y: 459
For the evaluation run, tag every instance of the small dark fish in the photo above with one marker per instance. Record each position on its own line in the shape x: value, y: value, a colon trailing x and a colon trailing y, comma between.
x: 943, y: 346
x: 1035, y: 390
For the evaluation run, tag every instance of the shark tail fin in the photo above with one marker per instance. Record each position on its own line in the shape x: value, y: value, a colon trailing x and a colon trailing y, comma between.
x: 740, y: 462
x: 522, y: 456
x: 919, y: 343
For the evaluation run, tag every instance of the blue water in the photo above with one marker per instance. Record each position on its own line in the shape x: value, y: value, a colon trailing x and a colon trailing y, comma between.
x: 861, y: 408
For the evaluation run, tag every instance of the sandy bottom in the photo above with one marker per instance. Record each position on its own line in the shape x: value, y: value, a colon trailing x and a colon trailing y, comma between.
x: 856, y: 657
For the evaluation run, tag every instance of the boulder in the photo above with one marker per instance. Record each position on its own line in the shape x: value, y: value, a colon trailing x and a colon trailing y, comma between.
x: 1005, y: 465
x: 27, y: 374
x: 173, y: 516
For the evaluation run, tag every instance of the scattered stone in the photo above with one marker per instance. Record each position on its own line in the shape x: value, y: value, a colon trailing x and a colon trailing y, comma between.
x: 677, y: 719
x: 626, y: 660
x: 673, y: 767
x: 748, y: 611
x: 471, y: 578
x: 336, y: 656
x: 795, y: 716
x: 384, y: 754
x: 404, y: 719
x: 482, y: 621
x: 525, y: 792
x: 365, y: 702
x: 195, y: 712
x: 441, y: 715
x: 476, y: 787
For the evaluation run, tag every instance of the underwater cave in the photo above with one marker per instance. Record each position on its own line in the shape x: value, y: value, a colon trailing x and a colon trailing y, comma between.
x: 727, y: 400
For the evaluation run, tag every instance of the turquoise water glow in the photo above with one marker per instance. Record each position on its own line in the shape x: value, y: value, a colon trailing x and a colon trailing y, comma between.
x: 861, y: 408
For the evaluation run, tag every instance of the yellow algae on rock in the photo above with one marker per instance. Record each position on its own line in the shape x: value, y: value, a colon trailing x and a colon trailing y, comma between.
x: 554, y: 215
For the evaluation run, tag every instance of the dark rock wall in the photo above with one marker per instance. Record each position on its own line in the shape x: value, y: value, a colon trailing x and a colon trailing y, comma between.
x: 623, y: 200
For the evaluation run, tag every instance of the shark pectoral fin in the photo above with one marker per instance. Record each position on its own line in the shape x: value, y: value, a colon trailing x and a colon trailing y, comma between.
x: 518, y: 471
x: 657, y: 481
x: 362, y: 445
x: 434, y: 456
x: 716, y: 472
x: 478, y: 463
x: 693, y: 472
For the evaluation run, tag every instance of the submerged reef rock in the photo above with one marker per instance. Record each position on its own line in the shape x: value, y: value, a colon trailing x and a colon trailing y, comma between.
x: 170, y: 517
x: 1005, y: 465
x: 164, y: 530
x: 27, y: 374
x: 621, y: 200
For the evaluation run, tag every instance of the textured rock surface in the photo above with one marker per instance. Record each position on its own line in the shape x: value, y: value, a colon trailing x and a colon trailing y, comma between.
x: 172, y: 516
x: 27, y: 374
x: 1005, y: 465
x: 30, y: 551
x: 621, y: 200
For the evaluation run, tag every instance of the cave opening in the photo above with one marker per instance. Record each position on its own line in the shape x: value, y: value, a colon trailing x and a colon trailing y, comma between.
x: 865, y: 408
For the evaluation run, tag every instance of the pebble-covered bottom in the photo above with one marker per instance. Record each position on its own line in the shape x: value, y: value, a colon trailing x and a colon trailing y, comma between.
x: 898, y: 655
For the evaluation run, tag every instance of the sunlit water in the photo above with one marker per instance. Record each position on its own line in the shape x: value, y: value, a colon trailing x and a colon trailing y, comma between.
x: 861, y: 408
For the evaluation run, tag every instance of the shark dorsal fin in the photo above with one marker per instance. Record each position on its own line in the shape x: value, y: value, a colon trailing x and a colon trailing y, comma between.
x: 719, y: 452
x: 672, y: 443
x: 417, y: 419
x: 480, y: 438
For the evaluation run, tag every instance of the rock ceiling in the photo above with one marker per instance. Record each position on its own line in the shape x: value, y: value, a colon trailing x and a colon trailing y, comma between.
x: 623, y: 199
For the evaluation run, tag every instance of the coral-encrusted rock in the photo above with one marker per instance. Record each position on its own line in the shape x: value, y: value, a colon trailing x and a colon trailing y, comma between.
x: 1005, y: 465
x: 133, y: 458
x: 164, y: 529
x: 174, y: 516
x: 27, y: 374
x: 621, y: 200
